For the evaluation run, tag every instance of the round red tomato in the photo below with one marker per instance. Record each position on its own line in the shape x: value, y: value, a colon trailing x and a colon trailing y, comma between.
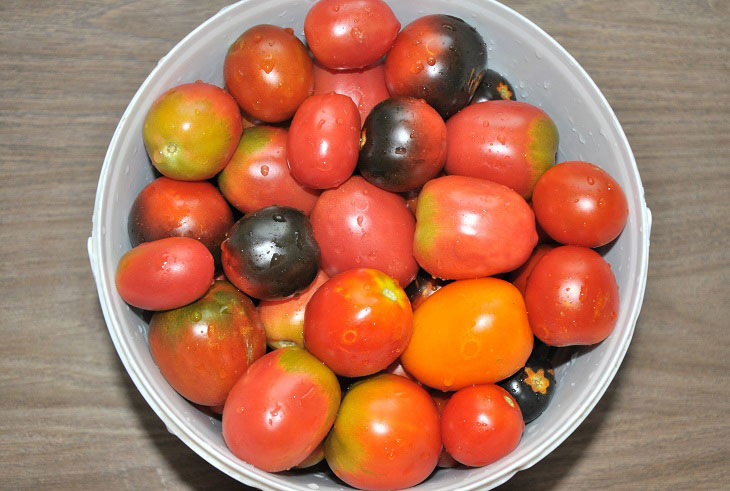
x: 386, y: 435
x: 203, y: 348
x: 580, y: 204
x: 165, y: 274
x: 269, y: 72
x: 350, y: 33
x: 358, y: 322
x: 280, y: 409
x: 519, y: 276
x: 481, y: 424
x: 572, y: 297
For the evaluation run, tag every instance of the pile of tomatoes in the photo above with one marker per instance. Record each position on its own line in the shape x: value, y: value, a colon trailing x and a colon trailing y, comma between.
x: 376, y: 224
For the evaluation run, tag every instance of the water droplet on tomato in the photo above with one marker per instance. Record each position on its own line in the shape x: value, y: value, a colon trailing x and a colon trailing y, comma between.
x: 264, y: 170
x: 591, y: 181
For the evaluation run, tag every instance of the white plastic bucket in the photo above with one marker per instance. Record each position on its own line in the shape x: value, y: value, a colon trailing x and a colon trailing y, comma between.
x: 542, y: 72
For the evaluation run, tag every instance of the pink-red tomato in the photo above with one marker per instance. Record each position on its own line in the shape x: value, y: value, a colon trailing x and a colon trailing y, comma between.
x: 519, y: 276
x: 281, y: 409
x: 386, y: 435
x: 578, y: 203
x: 481, y: 424
x: 203, y: 348
x: 165, y: 274
x: 258, y: 174
x: 324, y: 141
x: 353, y: 223
x: 350, y: 33
x: 358, y: 322
x: 269, y: 72
x: 572, y: 297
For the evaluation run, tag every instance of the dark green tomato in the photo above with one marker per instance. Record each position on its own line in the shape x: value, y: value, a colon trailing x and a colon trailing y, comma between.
x: 532, y: 387
x: 271, y: 253
x: 494, y: 87
x: 402, y: 144
x: 423, y: 287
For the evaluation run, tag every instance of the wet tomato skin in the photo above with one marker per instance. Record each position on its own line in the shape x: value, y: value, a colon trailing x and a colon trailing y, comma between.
x: 358, y: 322
x: 281, y: 409
x: 519, y: 276
x: 353, y: 221
x: 345, y: 34
x: 204, y: 347
x: 191, y: 131
x: 324, y: 141
x: 572, y: 297
x: 165, y: 274
x: 494, y: 87
x: 386, y: 435
x: 402, y: 144
x: 258, y: 174
x: 269, y: 72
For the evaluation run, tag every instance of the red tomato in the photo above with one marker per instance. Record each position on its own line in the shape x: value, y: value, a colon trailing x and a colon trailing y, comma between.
x: 354, y: 221
x: 350, y: 33
x: 324, y: 141
x: 580, y: 204
x: 280, y: 409
x: 572, y: 297
x: 386, y: 435
x: 509, y: 142
x: 481, y: 424
x: 203, y: 348
x: 519, y: 276
x: 269, y: 72
x: 358, y: 322
x: 469, y: 228
x: 258, y: 174
x: 165, y: 274
x: 440, y: 399
x: 191, y: 131
x: 365, y: 86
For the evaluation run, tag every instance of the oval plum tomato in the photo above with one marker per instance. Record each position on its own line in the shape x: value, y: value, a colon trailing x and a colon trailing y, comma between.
x: 509, y: 142
x: 386, y: 435
x: 269, y: 72
x: 170, y: 208
x: 494, y: 87
x: 358, y: 322
x: 191, y: 131
x: 324, y: 141
x: 350, y: 33
x: 284, y: 319
x: 578, y: 203
x: 440, y: 399
x: 572, y: 297
x: 481, y: 424
x: 165, y: 274
x: 280, y: 409
x: 439, y: 58
x: 469, y: 332
x: 469, y: 228
x: 352, y: 222
x: 203, y: 348
x: 402, y: 144
x: 365, y: 86
x: 519, y: 276
x: 258, y: 174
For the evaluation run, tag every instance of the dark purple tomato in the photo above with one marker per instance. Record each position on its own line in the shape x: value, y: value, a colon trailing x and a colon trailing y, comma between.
x: 271, y: 253
x: 494, y: 87
x: 439, y: 58
x: 402, y: 144
x: 423, y: 287
x: 532, y: 387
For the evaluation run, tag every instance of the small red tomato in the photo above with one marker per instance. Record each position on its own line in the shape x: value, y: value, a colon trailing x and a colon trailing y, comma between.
x: 440, y: 399
x: 365, y: 86
x: 481, y: 424
x: 519, y: 276
x: 258, y: 174
x: 203, y: 348
x: 509, y: 142
x: 350, y: 33
x: 324, y: 141
x: 352, y: 222
x: 165, y: 274
x: 280, y: 409
x: 191, y: 131
x: 572, y: 297
x: 386, y: 435
x: 358, y: 322
x: 269, y: 72
x: 580, y: 204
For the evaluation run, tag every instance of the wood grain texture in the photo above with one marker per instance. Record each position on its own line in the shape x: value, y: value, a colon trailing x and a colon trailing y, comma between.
x: 70, y: 418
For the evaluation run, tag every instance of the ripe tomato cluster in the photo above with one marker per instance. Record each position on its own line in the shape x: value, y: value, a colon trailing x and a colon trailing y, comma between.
x: 359, y: 210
